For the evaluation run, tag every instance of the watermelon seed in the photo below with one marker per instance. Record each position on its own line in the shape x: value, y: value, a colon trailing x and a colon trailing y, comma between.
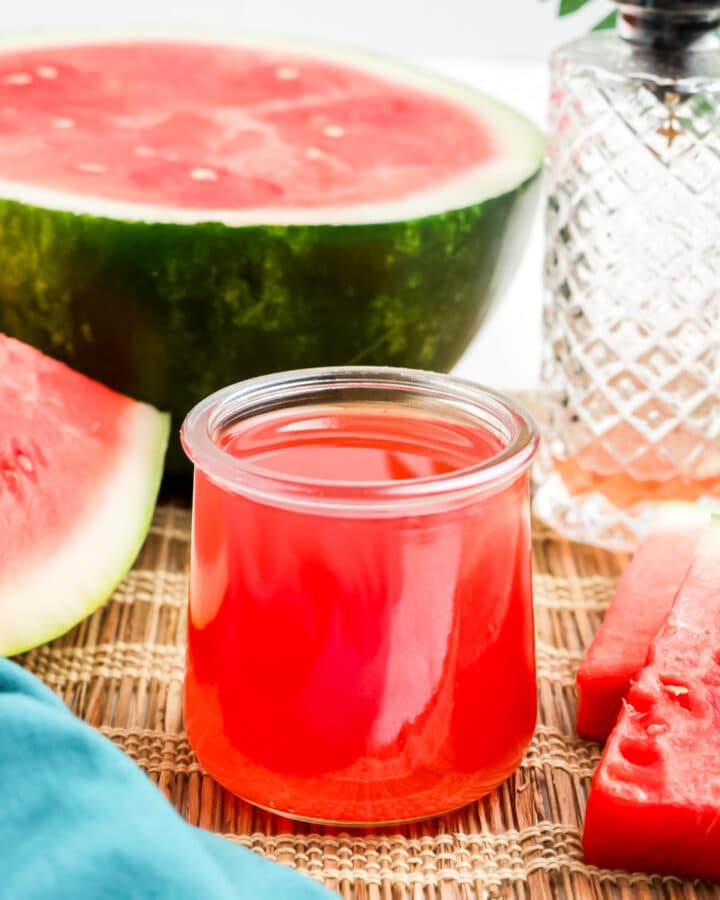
x: 333, y: 131
x: 203, y: 175
x: 18, y: 78
x: 10, y: 476
x: 680, y: 693
x: 638, y: 753
x: 142, y: 150
x: 314, y: 153
x: 47, y: 72
x: 92, y: 168
x: 25, y: 463
x: 640, y: 700
x: 62, y: 123
x: 40, y: 457
x: 286, y: 73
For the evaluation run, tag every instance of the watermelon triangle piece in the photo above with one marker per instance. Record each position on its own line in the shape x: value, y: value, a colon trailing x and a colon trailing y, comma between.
x: 654, y: 805
x: 80, y: 468
x: 639, y: 607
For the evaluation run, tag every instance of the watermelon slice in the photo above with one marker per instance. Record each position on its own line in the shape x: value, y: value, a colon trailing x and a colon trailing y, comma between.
x: 80, y: 468
x: 222, y: 208
x: 639, y: 607
x: 655, y: 799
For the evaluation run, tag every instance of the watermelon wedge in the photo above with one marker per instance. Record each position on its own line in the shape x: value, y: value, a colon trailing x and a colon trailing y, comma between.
x: 639, y: 607
x: 182, y: 212
x: 655, y: 799
x: 80, y: 468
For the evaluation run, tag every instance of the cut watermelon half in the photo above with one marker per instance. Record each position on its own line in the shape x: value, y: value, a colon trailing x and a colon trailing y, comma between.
x: 639, y: 607
x: 654, y: 805
x: 228, y: 206
x: 173, y: 128
x: 80, y: 468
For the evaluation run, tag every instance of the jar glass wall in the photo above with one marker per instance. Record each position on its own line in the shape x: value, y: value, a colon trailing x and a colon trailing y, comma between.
x: 360, y: 651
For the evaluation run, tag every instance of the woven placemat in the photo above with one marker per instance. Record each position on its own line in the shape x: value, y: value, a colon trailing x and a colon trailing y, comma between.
x: 121, y: 670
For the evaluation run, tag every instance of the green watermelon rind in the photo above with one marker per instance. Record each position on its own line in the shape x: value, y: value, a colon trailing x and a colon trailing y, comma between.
x: 170, y: 313
x: 98, y: 553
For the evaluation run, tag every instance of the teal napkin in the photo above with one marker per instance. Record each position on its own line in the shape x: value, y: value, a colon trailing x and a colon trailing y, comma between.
x: 79, y: 820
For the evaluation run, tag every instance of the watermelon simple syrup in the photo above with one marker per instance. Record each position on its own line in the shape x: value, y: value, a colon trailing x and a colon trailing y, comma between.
x: 360, y: 632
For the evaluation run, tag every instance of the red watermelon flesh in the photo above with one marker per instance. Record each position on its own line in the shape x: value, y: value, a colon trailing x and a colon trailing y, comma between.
x: 211, y: 127
x: 638, y: 609
x: 80, y: 467
x: 655, y: 799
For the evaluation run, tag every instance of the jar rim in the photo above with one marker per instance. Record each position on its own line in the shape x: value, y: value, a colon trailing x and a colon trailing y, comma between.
x: 253, y: 396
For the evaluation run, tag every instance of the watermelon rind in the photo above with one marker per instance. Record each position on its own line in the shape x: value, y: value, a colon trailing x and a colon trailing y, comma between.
x: 169, y: 305
x: 50, y: 598
x: 677, y: 515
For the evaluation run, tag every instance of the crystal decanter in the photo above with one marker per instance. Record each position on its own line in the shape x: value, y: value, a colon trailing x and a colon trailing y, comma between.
x: 631, y: 360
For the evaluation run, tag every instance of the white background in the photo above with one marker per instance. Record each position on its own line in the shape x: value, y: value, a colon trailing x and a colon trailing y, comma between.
x: 501, y: 46
x: 473, y: 29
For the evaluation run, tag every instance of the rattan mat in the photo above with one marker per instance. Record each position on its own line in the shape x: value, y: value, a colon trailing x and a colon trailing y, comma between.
x: 122, y: 670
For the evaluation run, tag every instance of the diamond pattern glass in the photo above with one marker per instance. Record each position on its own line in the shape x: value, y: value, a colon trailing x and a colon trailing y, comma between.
x: 631, y: 367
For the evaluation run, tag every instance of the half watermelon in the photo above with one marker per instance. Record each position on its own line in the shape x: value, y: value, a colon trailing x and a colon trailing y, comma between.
x: 80, y: 468
x: 178, y: 213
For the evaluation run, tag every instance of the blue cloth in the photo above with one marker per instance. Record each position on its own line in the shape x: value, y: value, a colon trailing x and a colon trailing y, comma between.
x: 78, y: 820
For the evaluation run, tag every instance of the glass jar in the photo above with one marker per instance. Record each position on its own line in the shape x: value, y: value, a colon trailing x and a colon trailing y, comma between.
x: 631, y: 367
x: 360, y: 643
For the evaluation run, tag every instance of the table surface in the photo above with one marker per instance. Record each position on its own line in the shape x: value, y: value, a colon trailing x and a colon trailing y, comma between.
x: 122, y: 671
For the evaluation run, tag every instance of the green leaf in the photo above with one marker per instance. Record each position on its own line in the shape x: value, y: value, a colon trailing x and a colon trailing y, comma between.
x: 570, y: 6
x: 608, y: 22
